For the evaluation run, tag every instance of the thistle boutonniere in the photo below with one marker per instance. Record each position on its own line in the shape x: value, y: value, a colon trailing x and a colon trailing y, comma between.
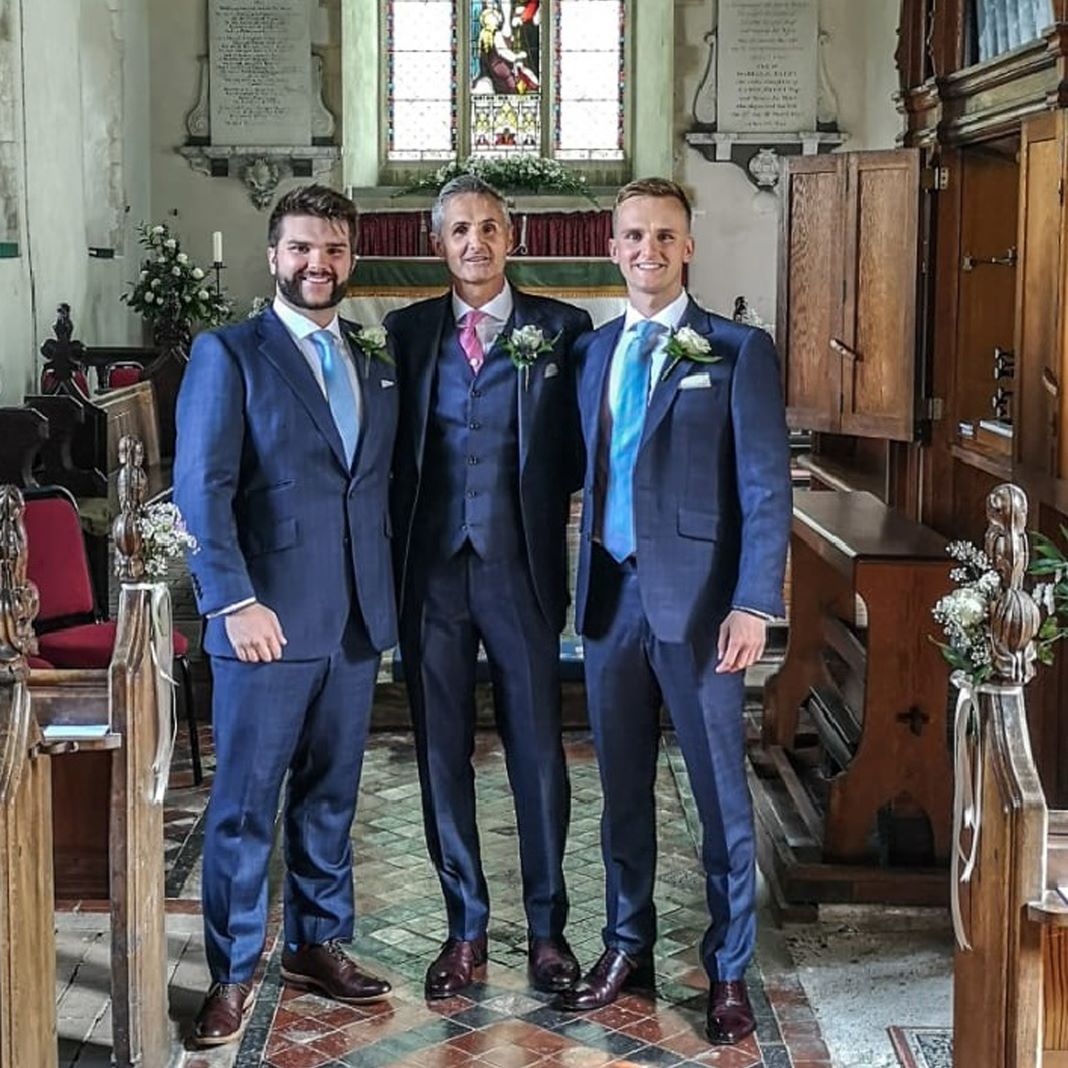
x: 371, y: 341
x: 524, y: 345
x: 687, y: 344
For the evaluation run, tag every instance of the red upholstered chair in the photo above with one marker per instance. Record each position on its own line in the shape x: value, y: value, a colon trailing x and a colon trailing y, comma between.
x: 50, y: 383
x: 37, y: 663
x: 70, y: 633
x: 117, y: 375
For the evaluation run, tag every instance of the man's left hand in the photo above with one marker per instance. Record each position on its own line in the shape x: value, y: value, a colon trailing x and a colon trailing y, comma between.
x: 741, y: 641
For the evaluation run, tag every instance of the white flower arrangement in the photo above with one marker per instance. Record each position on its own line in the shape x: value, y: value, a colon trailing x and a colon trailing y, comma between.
x: 523, y: 173
x: 965, y: 613
x: 164, y: 536
x: 169, y: 287
x: 524, y: 345
x: 687, y: 344
x: 372, y: 342
x: 257, y: 305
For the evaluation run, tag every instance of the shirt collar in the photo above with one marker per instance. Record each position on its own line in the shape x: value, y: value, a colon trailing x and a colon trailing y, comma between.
x: 300, y: 326
x: 668, y: 317
x: 499, y: 309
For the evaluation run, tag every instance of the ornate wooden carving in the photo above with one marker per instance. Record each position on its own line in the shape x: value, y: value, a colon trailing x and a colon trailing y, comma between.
x: 18, y: 609
x: 64, y: 356
x: 133, y: 485
x: 28, y: 954
x: 1014, y: 620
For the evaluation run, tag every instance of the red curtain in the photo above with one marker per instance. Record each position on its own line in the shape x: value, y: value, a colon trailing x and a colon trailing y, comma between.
x: 553, y: 233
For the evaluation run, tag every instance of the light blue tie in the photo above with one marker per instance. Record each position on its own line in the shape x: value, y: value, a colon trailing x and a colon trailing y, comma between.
x: 339, y: 393
x: 628, y: 420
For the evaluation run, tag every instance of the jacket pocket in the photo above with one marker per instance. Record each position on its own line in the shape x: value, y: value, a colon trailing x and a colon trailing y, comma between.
x: 280, y: 535
x: 696, y: 524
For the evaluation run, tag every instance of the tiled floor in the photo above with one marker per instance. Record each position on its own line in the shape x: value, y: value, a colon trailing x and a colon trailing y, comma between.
x: 500, y: 1022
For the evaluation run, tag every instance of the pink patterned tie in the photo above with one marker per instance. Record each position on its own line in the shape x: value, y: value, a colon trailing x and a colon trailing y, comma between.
x: 469, y: 341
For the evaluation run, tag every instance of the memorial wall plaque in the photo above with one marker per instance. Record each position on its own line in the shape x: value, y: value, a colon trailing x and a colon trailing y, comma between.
x: 767, y: 66
x: 260, y: 81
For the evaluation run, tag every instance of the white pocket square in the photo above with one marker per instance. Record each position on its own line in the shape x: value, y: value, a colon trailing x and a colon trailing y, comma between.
x: 387, y: 383
x: 551, y: 369
x: 698, y: 381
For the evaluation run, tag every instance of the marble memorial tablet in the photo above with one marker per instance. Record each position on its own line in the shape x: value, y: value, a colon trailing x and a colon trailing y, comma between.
x: 260, y: 72
x: 767, y: 66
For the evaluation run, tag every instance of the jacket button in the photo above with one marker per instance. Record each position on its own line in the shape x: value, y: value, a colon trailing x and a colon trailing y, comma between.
x: 474, y: 426
x: 346, y: 541
x: 476, y: 393
x: 472, y: 493
x: 472, y: 460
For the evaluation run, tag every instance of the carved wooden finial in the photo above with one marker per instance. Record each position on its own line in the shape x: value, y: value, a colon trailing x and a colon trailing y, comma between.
x: 132, y: 485
x: 1014, y: 618
x: 18, y: 609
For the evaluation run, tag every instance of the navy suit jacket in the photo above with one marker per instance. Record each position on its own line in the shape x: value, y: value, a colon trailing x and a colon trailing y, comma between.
x: 261, y: 480
x: 550, y: 443
x: 712, y: 497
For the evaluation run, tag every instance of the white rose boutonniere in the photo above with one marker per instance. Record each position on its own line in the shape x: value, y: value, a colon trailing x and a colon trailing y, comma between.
x: 524, y: 345
x: 687, y: 344
x: 371, y: 341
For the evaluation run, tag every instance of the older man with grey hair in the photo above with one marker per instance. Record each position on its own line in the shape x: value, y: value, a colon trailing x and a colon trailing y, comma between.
x: 488, y: 452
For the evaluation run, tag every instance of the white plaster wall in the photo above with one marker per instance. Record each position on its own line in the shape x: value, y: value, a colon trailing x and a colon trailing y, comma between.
x: 54, y: 265
x: 735, y: 227
x: 195, y: 204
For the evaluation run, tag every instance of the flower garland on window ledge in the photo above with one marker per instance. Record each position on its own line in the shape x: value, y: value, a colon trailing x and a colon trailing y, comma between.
x: 523, y: 174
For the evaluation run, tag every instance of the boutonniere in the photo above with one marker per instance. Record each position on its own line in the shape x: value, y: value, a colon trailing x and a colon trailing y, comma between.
x: 524, y: 346
x: 371, y: 341
x: 687, y: 344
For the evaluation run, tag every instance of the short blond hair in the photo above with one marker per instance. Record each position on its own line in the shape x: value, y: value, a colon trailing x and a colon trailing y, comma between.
x: 652, y: 187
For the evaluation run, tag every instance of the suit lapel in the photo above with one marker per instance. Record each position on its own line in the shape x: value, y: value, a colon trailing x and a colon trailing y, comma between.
x: 278, y: 347
x: 595, y: 380
x: 423, y: 375
x: 666, y: 387
x: 369, y: 386
x: 528, y: 390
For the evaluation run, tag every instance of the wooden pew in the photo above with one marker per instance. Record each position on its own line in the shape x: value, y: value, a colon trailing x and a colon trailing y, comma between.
x: 856, y: 807
x: 24, y: 433
x: 124, y: 716
x: 27, y: 939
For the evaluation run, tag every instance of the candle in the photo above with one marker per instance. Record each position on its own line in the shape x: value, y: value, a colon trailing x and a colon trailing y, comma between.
x: 216, y: 247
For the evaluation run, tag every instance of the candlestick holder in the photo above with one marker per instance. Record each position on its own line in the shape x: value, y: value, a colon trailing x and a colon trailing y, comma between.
x: 218, y: 267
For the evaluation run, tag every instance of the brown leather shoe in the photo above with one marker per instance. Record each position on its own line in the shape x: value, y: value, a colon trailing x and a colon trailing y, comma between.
x: 730, y: 1016
x: 329, y: 970
x: 551, y: 965
x: 224, y: 1014
x: 452, y: 968
x: 613, y: 973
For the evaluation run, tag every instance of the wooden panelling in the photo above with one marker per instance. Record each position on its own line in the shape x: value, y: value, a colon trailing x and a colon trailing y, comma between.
x: 810, y: 316
x: 1039, y: 374
x: 880, y: 294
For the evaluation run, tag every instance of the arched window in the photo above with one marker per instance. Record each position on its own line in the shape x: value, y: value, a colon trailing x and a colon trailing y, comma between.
x: 505, y: 77
x: 427, y: 81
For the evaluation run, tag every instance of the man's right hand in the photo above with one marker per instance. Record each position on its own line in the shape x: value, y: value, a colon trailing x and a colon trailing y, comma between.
x: 255, y: 634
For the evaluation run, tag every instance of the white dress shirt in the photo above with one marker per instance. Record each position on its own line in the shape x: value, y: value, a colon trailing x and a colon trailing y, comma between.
x: 498, y: 311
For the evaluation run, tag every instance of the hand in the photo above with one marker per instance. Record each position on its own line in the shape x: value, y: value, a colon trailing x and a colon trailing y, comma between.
x: 741, y: 641
x: 255, y: 634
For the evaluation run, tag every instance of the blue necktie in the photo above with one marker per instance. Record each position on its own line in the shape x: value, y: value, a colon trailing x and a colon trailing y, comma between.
x: 338, y: 391
x: 628, y: 421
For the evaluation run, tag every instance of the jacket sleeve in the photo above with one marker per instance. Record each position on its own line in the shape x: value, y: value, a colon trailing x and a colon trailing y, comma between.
x: 578, y: 326
x: 211, y: 431
x: 762, y: 456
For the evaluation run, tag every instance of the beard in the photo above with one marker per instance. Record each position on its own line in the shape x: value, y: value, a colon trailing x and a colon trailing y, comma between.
x: 291, y: 291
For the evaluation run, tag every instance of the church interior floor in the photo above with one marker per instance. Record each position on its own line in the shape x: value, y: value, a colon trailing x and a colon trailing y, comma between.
x: 825, y: 994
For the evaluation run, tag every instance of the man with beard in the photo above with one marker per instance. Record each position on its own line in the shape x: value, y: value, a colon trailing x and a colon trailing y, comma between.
x: 285, y: 432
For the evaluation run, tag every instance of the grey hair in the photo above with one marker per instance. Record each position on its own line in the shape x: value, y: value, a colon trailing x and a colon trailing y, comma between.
x: 458, y: 186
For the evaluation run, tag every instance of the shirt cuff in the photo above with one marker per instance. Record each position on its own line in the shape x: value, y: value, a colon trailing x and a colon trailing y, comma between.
x: 231, y: 608
x: 752, y: 612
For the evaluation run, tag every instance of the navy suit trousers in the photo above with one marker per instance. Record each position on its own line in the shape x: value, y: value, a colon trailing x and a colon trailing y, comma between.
x: 629, y: 671
x: 310, y: 718
x: 461, y: 601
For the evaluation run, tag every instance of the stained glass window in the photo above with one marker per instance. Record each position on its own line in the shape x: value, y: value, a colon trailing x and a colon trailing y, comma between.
x: 421, y: 36
x: 589, y: 80
x: 469, y: 77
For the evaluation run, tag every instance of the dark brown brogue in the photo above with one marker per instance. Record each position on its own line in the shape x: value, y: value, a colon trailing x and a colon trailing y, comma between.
x: 551, y: 965
x: 452, y: 968
x: 224, y: 1014
x: 730, y: 1016
x: 329, y: 970
x: 613, y: 973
